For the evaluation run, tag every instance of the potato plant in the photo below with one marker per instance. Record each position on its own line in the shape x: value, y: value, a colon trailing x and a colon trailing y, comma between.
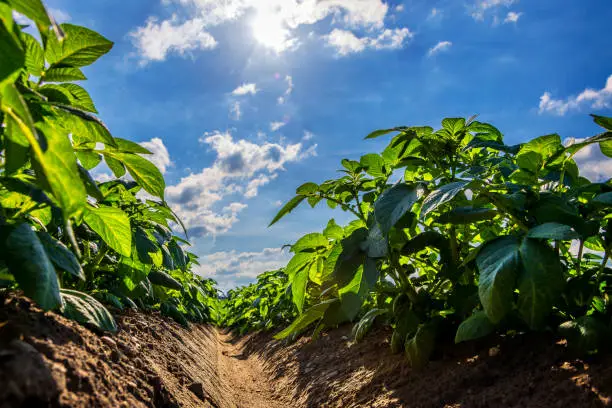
x: 456, y: 236
x: 262, y: 305
x: 67, y: 241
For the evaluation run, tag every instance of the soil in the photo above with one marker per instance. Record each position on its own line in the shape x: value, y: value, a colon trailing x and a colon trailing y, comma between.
x: 49, y: 361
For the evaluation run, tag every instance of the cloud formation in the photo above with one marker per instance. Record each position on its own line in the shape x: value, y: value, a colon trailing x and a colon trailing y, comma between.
x: 442, y: 46
x: 591, y: 98
x: 346, y: 42
x: 160, y: 156
x: 245, y: 89
x: 188, y: 28
x: 232, y: 268
x: 210, y: 201
x: 593, y: 164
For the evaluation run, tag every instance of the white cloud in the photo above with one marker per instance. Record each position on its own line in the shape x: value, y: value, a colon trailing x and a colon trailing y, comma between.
x: 240, y: 168
x: 308, y: 135
x: 399, y: 8
x: 593, y: 164
x: 345, y: 42
x: 512, y: 17
x: 232, y: 268
x: 274, y: 126
x: 245, y: 89
x: 435, y: 12
x: 439, y: 47
x: 275, y: 23
x: 235, y: 111
x: 156, y: 40
x: 282, y: 99
x: 160, y: 156
x: 592, y: 98
x: 482, y: 7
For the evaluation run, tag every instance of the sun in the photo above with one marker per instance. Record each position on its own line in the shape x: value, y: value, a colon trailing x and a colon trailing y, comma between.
x: 269, y: 31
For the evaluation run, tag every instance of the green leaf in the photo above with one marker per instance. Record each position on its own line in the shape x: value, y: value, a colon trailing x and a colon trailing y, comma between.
x: 307, y: 189
x: 394, y: 203
x: 553, y: 230
x: 144, y: 245
x: 13, y: 57
x: 362, y: 327
x: 85, y: 309
x: 127, y: 146
x: 161, y: 278
x: 540, y: 281
x: 606, y: 147
x: 605, y: 198
x: 80, y: 47
x: 143, y: 171
x: 373, y: 164
x: 60, y: 173
x: 333, y: 230
x: 498, y: 262
x: 287, y: 208
x: 603, y: 121
x: 536, y: 152
x: 33, y: 9
x: 353, y: 295
x: 63, y: 74
x: 80, y: 97
x: 299, y: 281
x: 304, y: 320
x: 34, y: 59
x: 382, y: 132
x: 376, y: 243
x: 310, y: 242
x: 467, y: 215
x: 88, y: 158
x: 420, y: 346
x: 474, y: 327
x: 453, y: 125
x: 113, y: 226
x: 442, y: 195
x: 60, y: 255
x: 585, y: 334
x: 27, y: 260
x: 115, y: 165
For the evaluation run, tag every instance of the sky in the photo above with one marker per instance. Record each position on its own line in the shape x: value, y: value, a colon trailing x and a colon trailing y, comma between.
x: 244, y: 100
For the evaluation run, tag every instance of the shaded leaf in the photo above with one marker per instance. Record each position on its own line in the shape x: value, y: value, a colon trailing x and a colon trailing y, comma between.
x: 85, y: 309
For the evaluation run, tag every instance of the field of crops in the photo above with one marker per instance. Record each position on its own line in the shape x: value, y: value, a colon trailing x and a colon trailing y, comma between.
x: 458, y: 243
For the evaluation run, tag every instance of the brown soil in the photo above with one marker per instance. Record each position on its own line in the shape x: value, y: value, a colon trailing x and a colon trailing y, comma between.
x: 48, y: 361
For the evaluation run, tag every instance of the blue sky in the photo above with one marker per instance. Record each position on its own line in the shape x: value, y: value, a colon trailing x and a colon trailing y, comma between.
x: 244, y: 100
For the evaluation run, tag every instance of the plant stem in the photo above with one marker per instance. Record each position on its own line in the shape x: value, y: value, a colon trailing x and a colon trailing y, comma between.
x: 344, y: 206
x: 579, y: 259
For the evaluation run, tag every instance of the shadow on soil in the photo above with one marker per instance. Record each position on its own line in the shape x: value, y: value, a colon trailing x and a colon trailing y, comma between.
x: 526, y: 370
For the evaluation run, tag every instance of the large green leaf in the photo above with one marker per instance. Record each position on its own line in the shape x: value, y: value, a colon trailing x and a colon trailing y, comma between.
x: 353, y: 294
x: 498, y: 262
x: 34, y: 59
x: 27, y: 260
x: 64, y: 74
x: 85, y: 309
x: 603, y: 121
x: 420, y: 346
x: 467, y: 215
x: 32, y: 9
x: 310, y: 242
x: 13, y: 57
x: 606, y: 147
x: 287, y: 208
x: 79, y: 97
x: 373, y: 164
x: 394, y: 203
x: 80, y: 47
x: 474, y: 327
x: 382, y: 132
x: 304, y: 320
x: 113, y: 226
x: 442, y: 195
x: 536, y: 152
x: 299, y: 282
x: 60, y: 173
x: 376, y: 243
x: 143, y: 171
x: 540, y: 282
x: 553, y: 230
x: 60, y: 255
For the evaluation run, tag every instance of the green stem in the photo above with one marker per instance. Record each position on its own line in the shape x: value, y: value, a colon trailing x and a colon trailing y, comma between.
x: 579, y: 259
x: 344, y: 206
